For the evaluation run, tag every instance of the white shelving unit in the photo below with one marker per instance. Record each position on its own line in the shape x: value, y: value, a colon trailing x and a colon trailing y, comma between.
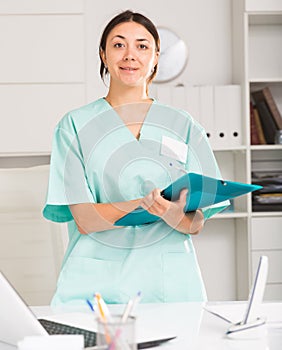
x: 257, y: 30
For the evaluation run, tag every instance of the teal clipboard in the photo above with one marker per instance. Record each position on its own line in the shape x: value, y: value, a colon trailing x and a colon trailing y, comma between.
x: 203, y: 191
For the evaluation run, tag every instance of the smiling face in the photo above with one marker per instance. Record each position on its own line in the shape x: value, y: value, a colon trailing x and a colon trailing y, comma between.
x: 130, y: 54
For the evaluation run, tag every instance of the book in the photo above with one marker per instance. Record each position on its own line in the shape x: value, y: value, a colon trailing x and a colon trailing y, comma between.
x: 268, y: 110
x: 268, y: 124
x: 261, y: 136
x: 254, y: 130
x: 265, y: 94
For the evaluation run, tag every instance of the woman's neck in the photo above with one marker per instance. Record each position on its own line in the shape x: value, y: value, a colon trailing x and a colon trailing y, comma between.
x: 127, y: 95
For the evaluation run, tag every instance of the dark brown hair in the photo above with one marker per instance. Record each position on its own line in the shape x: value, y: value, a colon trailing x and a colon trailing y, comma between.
x: 128, y: 16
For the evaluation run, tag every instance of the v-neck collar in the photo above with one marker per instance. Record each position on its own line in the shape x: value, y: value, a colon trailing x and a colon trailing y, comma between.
x: 121, y: 122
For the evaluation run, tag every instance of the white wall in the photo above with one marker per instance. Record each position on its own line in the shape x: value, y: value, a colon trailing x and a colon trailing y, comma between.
x: 49, y: 60
x: 49, y: 64
x: 204, y: 25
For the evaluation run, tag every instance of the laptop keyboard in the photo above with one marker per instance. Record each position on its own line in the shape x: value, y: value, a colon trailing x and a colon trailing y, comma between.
x: 90, y: 337
x: 59, y: 328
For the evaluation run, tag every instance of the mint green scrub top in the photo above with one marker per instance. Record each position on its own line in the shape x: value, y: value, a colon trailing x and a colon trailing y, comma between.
x: 96, y: 159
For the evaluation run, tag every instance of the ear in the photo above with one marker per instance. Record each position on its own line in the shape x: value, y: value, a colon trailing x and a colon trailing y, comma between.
x: 156, y: 60
x: 103, y: 56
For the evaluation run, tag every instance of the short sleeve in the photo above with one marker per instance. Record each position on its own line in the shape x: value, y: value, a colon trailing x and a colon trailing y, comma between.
x: 201, y: 160
x: 67, y: 179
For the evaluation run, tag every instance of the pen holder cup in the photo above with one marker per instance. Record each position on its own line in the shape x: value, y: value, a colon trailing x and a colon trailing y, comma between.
x: 117, y: 335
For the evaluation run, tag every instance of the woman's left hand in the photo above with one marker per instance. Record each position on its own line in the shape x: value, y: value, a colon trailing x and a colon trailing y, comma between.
x: 173, y: 212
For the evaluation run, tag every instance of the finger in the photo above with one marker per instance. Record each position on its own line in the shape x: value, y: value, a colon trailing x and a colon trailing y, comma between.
x: 153, y: 207
x: 183, y: 196
x: 156, y: 193
x: 156, y: 208
x: 151, y: 197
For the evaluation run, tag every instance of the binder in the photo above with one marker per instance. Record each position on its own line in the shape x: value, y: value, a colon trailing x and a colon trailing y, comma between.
x: 227, y: 112
x: 179, y: 97
x: 207, y: 117
x: 203, y: 191
x: 193, y: 101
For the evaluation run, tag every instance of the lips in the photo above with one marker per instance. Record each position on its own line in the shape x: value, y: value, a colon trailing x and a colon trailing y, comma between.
x: 130, y: 69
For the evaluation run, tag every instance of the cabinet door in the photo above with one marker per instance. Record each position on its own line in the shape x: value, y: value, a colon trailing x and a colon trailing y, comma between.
x: 30, y: 255
x: 266, y: 239
x: 266, y: 233
x: 31, y: 248
x: 42, y: 74
x: 263, y: 5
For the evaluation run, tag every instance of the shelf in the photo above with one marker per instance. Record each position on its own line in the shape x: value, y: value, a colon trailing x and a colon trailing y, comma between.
x: 265, y: 18
x: 231, y: 149
x: 266, y: 214
x: 265, y: 80
x: 230, y: 215
x: 260, y: 67
x: 24, y: 154
x: 266, y: 148
x: 24, y: 160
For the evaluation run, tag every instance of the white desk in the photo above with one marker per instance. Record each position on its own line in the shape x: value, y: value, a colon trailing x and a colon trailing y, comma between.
x: 195, y: 328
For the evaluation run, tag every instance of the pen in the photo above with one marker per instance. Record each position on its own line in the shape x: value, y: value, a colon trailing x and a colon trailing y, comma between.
x: 101, y: 310
x: 105, y: 309
x: 136, y: 301
x: 90, y: 305
x: 130, y: 306
x: 127, y: 311
x: 100, y: 307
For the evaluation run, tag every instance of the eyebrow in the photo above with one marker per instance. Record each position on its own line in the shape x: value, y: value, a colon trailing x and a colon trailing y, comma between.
x: 122, y: 37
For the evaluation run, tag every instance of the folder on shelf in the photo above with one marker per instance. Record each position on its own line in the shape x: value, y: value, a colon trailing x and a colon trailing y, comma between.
x: 206, y: 112
x: 178, y: 97
x: 227, y: 114
x: 193, y: 101
x: 203, y: 191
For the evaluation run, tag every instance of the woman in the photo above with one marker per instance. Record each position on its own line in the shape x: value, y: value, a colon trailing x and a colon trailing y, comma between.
x: 114, y: 155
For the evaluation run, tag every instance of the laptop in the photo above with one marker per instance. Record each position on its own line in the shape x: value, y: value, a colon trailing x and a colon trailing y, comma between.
x: 21, y: 322
x: 18, y: 321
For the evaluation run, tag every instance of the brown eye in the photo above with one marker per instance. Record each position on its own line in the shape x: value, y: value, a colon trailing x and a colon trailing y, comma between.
x: 118, y: 45
x: 143, y: 47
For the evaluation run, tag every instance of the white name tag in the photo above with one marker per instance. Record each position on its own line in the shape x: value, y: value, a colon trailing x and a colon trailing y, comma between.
x: 174, y: 149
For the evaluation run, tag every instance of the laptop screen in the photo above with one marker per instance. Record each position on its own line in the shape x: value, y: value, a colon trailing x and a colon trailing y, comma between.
x: 16, y: 319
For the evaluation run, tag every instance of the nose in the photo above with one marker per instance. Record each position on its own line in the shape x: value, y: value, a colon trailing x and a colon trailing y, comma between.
x: 129, y: 55
x: 129, y: 58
